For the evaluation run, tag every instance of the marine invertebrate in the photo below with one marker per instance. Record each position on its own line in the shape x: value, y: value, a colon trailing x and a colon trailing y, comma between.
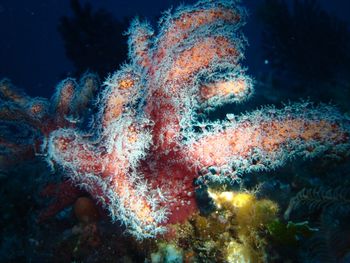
x: 27, y: 122
x: 330, y: 243
x: 322, y: 198
x: 147, y: 144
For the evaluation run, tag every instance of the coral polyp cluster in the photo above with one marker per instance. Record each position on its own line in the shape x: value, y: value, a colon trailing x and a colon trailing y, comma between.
x: 147, y: 143
x: 26, y: 123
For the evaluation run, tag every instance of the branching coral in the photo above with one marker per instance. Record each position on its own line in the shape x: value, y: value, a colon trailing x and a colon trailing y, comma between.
x: 144, y: 150
x: 26, y: 122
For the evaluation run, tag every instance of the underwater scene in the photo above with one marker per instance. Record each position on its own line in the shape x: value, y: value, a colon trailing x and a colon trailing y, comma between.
x: 175, y: 131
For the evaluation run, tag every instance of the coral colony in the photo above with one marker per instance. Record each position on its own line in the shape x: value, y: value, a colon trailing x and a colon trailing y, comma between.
x: 147, y: 144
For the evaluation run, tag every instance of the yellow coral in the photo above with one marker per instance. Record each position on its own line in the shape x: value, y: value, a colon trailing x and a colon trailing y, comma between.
x: 235, y: 232
x: 249, y: 217
x: 256, y: 214
x: 239, y: 253
x: 229, y: 200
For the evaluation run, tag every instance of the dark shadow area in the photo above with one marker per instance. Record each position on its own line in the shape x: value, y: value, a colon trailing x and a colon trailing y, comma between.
x: 93, y: 40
